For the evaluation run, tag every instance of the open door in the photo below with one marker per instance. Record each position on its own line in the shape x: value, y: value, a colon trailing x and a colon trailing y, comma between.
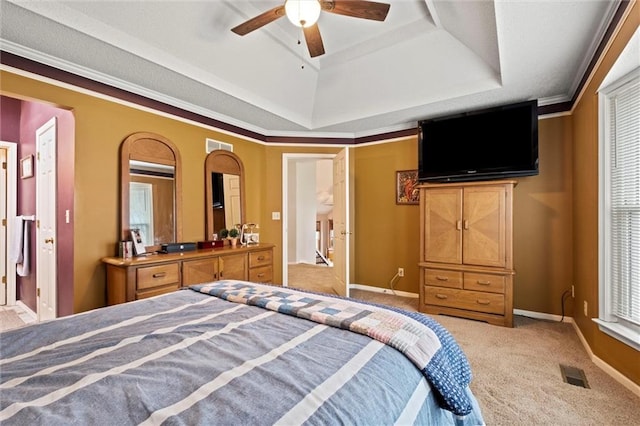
x: 46, y: 238
x: 3, y: 226
x: 341, y: 224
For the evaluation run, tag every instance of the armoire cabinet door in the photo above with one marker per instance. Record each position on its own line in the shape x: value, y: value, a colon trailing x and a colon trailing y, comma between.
x: 442, y: 225
x: 484, y: 218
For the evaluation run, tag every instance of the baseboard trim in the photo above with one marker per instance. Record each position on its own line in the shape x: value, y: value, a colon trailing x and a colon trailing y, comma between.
x: 542, y: 316
x: 383, y: 290
x: 615, y: 374
x: 618, y: 376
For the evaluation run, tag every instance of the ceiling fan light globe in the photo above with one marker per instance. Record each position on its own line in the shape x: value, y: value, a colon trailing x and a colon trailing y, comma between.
x: 302, y: 13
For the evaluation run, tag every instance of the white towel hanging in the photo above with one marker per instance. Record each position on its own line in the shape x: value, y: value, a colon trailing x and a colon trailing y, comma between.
x: 20, y: 245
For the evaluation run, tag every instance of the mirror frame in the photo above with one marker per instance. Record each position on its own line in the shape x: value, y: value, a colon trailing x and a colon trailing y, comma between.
x: 152, y: 148
x: 221, y: 161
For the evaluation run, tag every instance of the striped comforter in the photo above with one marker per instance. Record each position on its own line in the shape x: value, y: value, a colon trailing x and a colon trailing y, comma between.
x: 190, y: 358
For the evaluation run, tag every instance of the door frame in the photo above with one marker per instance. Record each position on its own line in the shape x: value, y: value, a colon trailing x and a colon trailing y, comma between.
x: 285, y: 203
x: 12, y: 201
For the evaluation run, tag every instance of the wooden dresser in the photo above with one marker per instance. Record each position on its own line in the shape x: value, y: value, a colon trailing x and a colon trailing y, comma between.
x: 146, y: 276
x: 466, y: 250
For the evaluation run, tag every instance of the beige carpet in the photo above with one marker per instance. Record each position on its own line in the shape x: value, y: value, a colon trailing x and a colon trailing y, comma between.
x: 9, y: 319
x: 517, y: 378
x: 311, y: 277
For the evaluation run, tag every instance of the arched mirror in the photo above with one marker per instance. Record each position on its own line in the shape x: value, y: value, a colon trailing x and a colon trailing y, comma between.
x: 225, y: 194
x: 151, y: 189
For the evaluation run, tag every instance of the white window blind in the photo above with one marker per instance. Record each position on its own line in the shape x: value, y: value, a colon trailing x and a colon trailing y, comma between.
x: 624, y: 190
x: 619, y: 230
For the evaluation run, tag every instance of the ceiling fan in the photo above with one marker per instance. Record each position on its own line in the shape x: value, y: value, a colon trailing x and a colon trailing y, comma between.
x: 305, y: 13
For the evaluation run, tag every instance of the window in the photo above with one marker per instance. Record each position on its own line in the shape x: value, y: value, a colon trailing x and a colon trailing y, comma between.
x: 619, y: 233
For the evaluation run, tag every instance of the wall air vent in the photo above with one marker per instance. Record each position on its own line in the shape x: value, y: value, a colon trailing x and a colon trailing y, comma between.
x: 212, y: 144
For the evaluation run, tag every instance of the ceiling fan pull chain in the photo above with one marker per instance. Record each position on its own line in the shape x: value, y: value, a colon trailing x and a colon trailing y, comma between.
x: 300, y: 44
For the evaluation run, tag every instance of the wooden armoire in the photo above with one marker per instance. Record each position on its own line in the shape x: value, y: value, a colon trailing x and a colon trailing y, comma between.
x: 466, y: 250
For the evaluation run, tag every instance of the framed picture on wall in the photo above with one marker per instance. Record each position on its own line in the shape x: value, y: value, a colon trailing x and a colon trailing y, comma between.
x: 407, y: 187
x: 26, y: 167
x: 138, y: 242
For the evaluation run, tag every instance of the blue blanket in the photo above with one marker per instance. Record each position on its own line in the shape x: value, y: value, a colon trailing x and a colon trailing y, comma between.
x: 424, y: 341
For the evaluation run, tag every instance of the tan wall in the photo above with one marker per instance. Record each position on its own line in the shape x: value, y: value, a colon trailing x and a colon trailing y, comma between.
x: 542, y: 224
x: 386, y: 234
x: 585, y: 205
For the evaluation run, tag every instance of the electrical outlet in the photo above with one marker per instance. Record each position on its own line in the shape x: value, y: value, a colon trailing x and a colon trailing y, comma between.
x: 586, y: 311
x: 401, y: 272
x: 573, y: 291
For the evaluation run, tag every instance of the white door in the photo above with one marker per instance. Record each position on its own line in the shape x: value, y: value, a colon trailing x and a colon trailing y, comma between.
x: 45, y: 172
x: 8, y: 183
x: 341, y: 221
x: 3, y: 227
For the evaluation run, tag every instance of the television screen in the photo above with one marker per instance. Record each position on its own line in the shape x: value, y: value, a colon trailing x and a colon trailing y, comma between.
x: 487, y: 144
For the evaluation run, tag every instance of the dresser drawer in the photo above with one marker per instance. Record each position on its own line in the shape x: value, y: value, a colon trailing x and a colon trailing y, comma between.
x: 262, y: 274
x: 443, y: 278
x: 156, y: 276
x: 155, y: 291
x: 260, y: 258
x: 464, y: 299
x: 484, y: 282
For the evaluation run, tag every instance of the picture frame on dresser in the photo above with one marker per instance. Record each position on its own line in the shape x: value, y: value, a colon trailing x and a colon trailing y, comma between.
x: 138, y: 242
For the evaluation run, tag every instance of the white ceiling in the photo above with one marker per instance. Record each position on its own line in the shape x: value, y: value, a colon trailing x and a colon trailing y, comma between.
x: 429, y: 58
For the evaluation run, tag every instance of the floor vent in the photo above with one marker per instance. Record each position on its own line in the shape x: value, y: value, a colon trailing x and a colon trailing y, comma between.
x: 574, y: 376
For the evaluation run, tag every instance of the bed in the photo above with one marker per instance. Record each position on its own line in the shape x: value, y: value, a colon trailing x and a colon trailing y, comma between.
x: 234, y: 352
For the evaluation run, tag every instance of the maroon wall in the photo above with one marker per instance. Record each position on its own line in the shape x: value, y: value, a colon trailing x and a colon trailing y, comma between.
x: 10, y: 119
x: 31, y: 116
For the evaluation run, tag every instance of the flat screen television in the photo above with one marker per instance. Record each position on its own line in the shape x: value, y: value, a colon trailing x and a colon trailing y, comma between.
x: 487, y: 144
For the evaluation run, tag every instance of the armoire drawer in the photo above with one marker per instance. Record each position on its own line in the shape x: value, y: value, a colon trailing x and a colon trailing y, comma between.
x: 464, y: 299
x: 443, y: 278
x: 484, y: 282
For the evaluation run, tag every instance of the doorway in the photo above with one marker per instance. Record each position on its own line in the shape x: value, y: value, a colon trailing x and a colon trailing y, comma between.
x: 8, y: 182
x: 307, y: 224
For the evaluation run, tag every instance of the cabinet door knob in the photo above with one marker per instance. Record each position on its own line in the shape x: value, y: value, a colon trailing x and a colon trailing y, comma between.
x: 458, y: 225
x: 466, y: 224
x: 48, y: 240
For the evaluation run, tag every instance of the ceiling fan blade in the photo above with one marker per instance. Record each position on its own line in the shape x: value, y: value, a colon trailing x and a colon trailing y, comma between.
x: 357, y: 9
x: 314, y: 40
x: 259, y: 21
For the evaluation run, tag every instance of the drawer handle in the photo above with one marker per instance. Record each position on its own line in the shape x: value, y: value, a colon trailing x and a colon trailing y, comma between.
x: 160, y: 275
x: 260, y: 275
x: 483, y: 302
x: 260, y: 257
x: 441, y: 278
x: 441, y: 296
x: 484, y: 282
